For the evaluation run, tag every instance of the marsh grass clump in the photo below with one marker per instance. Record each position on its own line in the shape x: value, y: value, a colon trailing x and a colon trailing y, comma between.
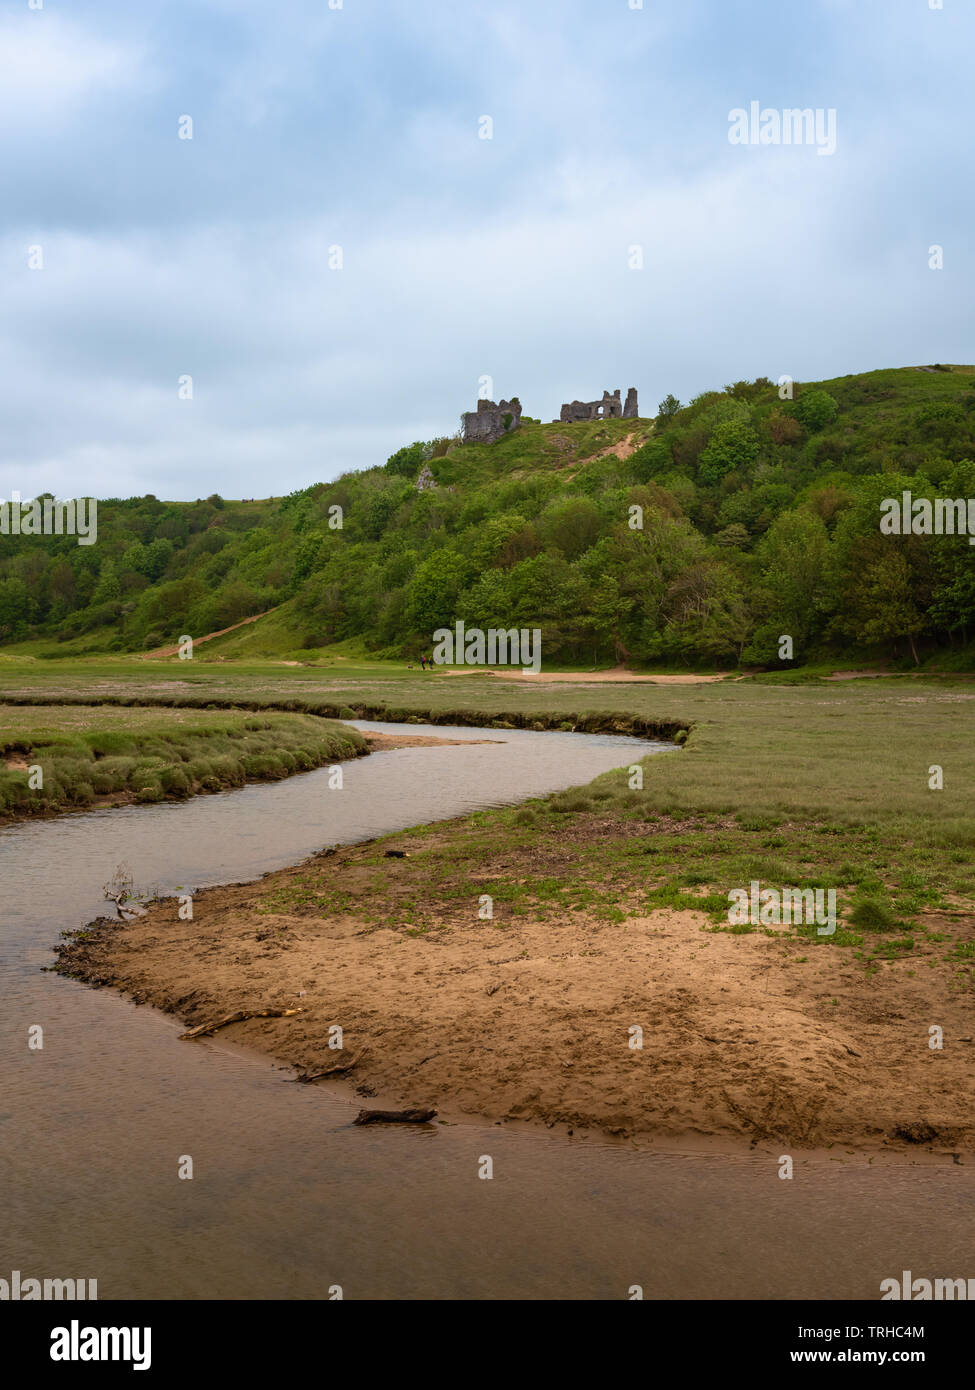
x: 227, y: 771
x: 156, y: 756
x: 174, y: 782
x: 872, y: 914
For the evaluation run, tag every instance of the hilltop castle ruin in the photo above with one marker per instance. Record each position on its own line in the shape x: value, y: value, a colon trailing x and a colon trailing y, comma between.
x: 490, y: 422
x: 609, y: 408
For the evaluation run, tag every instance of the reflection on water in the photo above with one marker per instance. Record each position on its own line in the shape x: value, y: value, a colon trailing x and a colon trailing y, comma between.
x: 287, y: 1197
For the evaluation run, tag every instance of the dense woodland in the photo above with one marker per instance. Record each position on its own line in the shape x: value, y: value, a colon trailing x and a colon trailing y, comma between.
x: 759, y: 518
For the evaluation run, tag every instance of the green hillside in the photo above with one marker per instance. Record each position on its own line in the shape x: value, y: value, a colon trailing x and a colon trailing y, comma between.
x: 760, y: 517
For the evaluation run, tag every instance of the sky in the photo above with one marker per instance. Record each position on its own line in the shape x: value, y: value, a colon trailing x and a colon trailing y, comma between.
x: 339, y: 260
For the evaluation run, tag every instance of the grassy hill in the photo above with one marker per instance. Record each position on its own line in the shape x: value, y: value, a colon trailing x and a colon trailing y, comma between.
x: 700, y: 537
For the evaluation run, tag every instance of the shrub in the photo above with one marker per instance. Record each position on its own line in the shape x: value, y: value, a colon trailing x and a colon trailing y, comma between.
x: 783, y: 429
x: 815, y: 409
x: 407, y: 461
x: 872, y: 914
x: 732, y: 446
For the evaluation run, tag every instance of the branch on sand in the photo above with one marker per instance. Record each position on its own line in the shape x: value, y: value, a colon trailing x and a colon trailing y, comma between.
x: 338, y: 1069
x: 204, y: 1030
x: 394, y: 1117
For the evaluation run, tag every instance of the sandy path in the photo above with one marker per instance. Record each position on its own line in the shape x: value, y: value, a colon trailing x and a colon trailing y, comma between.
x: 161, y: 652
x: 617, y: 676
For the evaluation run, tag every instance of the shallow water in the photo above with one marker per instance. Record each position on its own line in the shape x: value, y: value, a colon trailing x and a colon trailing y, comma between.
x: 287, y: 1198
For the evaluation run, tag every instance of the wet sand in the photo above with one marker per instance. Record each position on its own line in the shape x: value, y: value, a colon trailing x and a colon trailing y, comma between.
x: 744, y: 1038
x: 381, y: 743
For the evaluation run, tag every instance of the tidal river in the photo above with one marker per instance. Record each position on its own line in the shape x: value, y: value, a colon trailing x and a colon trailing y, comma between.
x: 288, y: 1199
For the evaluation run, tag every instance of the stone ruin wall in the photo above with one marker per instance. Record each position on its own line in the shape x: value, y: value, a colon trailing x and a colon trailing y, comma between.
x: 487, y: 423
x: 609, y: 408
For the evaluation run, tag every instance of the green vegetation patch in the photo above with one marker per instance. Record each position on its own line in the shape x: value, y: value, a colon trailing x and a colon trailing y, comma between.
x: 87, y: 753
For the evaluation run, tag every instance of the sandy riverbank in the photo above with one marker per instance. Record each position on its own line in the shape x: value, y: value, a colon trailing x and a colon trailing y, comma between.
x: 744, y: 1037
x: 382, y: 743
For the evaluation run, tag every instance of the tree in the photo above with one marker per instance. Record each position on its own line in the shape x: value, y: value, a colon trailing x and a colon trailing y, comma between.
x: 859, y: 564
x: 794, y: 564
x: 651, y: 459
x: 407, y: 461
x: 888, y: 607
x: 572, y: 526
x: 734, y: 535
x: 14, y: 608
x: 434, y: 591
x: 668, y: 407
x: 487, y: 603
x: 607, y: 610
x: 953, y: 607
x: 815, y: 409
x: 158, y: 555
x: 706, y: 614
x: 499, y: 541
x: 783, y: 429
x: 108, y: 588
x: 134, y: 558
x: 732, y: 445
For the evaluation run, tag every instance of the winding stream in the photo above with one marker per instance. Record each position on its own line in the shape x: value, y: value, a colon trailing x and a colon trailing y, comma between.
x: 287, y: 1198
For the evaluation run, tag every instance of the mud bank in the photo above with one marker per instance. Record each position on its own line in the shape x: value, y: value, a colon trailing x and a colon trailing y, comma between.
x: 530, y: 1019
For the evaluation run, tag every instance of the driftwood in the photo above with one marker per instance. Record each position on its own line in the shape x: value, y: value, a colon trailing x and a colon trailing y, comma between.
x: 394, y: 1117
x: 202, y: 1030
x: 338, y: 1069
x: 127, y: 907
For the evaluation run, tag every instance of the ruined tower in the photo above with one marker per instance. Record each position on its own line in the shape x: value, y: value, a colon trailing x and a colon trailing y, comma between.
x: 490, y: 422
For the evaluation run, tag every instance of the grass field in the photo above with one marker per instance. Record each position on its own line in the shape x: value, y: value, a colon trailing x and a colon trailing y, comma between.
x: 817, y: 774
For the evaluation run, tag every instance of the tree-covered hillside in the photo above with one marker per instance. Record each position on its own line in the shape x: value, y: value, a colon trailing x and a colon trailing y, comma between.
x: 700, y: 537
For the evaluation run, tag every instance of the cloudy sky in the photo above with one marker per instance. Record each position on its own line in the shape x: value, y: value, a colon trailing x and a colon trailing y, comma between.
x: 360, y: 127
